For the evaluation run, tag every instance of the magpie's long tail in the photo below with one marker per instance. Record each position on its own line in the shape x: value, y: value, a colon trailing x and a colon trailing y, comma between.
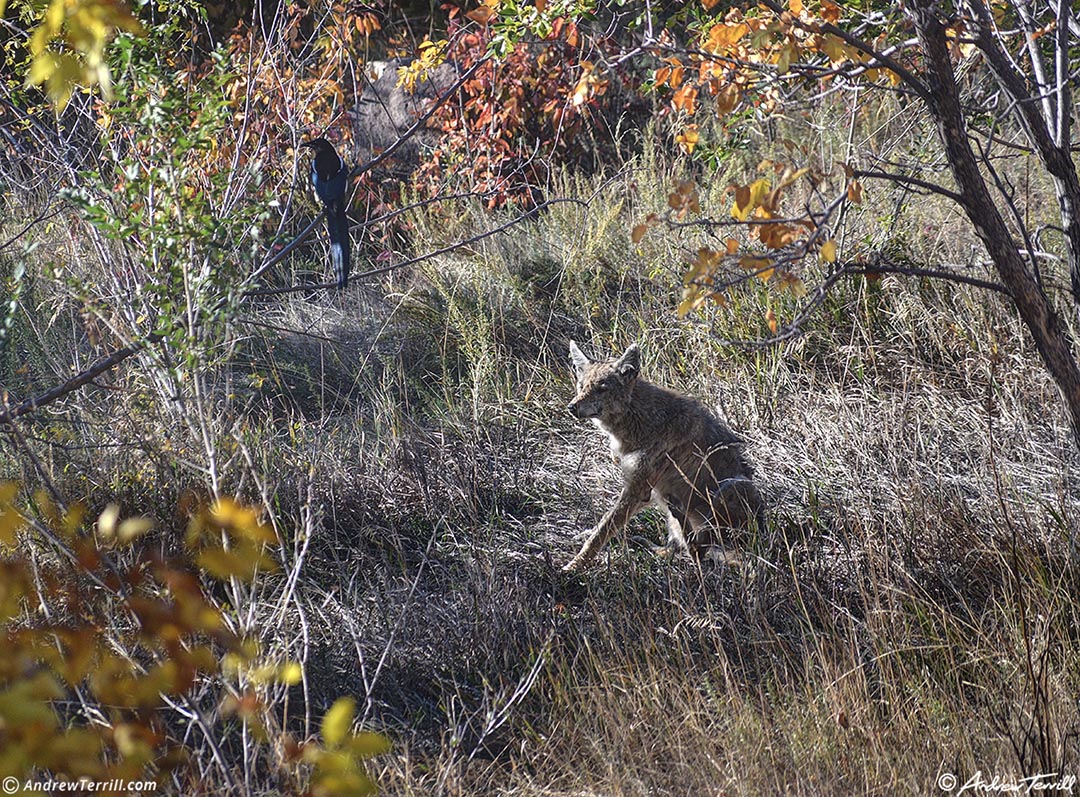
x: 337, y: 229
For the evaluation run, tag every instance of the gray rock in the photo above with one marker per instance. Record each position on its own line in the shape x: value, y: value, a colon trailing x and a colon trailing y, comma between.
x: 387, y: 110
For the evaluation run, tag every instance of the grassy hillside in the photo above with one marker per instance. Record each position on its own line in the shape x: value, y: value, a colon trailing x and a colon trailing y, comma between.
x: 910, y: 612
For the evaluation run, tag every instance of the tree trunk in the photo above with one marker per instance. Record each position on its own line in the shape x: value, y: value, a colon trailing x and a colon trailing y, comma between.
x: 944, y: 104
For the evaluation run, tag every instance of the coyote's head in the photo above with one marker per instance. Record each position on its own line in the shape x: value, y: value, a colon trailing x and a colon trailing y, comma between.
x: 603, y: 389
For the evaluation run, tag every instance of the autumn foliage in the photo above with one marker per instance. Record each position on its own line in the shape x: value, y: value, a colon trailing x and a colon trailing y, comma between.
x: 518, y: 114
x: 114, y: 633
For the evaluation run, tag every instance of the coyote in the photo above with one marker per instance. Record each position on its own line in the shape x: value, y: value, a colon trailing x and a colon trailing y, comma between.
x: 671, y: 450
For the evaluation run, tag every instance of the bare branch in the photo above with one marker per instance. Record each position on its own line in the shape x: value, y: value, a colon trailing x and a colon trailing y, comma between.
x: 1064, y: 82
x: 100, y: 366
x: 281, y: 255
x: 932, y: 273
x: 1042, y: 84
x: 45, y: 215
x: 904, y: 179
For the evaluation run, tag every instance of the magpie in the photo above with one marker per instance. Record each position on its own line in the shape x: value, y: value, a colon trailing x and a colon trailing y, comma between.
x: 330, y: 177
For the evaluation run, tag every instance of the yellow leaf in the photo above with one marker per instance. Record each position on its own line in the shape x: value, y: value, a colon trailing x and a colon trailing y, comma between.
x: 8, y: 491
x: 367, y: 744
x: 228, y: 564
x: 64, y: 80
x: 828, y: 251
x: 688, y: 139
x: 106, y: 524
x: 11, y: 520
x: 792, y: 284
x: 290, y: 673
x: 244, y: 520
x: 133, y: 528
x: 337, y: 722
x: 788, y: 53
x: 54, y: 17
x: 837, y: 49
x: 688, y: 305
x: 747, y: 198
x: 791, y: 176
x: 42, y: 68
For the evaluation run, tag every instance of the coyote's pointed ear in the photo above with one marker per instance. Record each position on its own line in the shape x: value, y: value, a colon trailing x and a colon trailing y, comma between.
x: 579, y: 359
x: 630, y: 363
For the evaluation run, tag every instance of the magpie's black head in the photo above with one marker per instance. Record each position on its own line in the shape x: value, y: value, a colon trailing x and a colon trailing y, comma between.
x: 318, y: 144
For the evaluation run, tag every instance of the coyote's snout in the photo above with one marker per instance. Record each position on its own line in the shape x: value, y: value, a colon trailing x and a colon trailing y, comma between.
x: 672, y: 451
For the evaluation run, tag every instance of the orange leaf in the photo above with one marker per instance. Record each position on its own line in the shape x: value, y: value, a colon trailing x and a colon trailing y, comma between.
x: 830, y: 12
x: 692, y: 300
x: 727, y: 99
x: 638, y: 233
x: 776, y: 236
x: 483, y: 14
x: 750, y: 263
x: 732, y: 246
x: 854, y: 192
x: 770, y: 319
x: 723, y: 37
x: 740, y: 208
x: 685, y: 99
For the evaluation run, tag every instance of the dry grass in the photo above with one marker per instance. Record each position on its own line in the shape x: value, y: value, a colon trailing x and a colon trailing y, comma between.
x: 912, y: 610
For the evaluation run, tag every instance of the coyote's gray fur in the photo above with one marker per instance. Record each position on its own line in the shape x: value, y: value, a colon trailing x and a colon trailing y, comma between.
x: 672, y: 451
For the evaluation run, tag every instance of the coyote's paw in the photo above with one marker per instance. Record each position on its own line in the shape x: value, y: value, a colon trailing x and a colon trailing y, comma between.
x: 575, y: 565
x: 665, y: 552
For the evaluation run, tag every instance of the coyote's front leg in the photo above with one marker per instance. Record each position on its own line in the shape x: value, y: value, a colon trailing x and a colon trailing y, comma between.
x: 632, y: 498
